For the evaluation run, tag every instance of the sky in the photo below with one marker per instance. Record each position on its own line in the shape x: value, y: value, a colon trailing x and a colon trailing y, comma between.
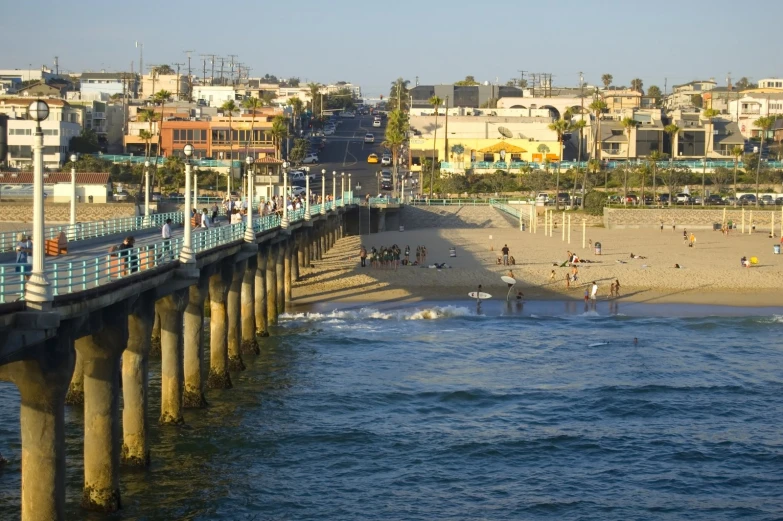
x: 372, y: 43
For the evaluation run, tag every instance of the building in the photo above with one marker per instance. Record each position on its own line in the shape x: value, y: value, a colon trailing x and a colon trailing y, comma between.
x: 472, y: 96
x: 554, y: 107
x: 718, y: 99
x: 214, y: 95
x: 19, y: 76
x: 683, y: 96
x: 59, y: 110
x: 752, y: 105
x: 90, y: 187
x: 718, y: 137
x: 43, y: 90
x: 617, y: 101
x: 176, y: 84
x: 771, y: 83
x: 340, y: 85
x: 57, y: 137
x: 103, y: 85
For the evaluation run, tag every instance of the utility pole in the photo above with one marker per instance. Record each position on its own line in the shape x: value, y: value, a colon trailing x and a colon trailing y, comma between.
x: 153, y: 73
x: 204, y: 61
x: 222, y: 60
x: 231, y: 64
x: 178, y: 65
x: 521, y: 79
x: 57, y: 65
x: 190, y: 77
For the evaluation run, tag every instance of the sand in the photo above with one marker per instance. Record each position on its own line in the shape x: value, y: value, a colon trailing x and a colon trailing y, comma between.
x: 710, y: 273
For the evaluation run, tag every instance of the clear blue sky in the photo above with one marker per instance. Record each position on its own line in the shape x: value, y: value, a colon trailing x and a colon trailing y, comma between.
x: 372, y: 43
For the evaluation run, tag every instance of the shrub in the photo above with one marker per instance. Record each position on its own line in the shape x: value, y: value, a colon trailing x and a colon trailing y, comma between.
x: 594, y: 203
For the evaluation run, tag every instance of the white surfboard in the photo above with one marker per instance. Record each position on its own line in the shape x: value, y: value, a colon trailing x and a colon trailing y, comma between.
x: 480, y: 296
x: 508, y: 280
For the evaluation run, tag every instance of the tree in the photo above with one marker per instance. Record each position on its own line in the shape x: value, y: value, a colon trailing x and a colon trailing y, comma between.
x: 655, y: 156
x: 436, y: 102
x: 764, y: 123
x: 629, y: 124
x: 252, y: 104
x: 720, y: 177
x: 469, y: 80
x: 396, y: 134
x: 279, y: 132
x: 672, y: 130
x: 229, y: 107
x: 398, y: 92
x: 559, y: 127
x: 163, y: 69
x: 709, y: 114
x: 316, y: 98
x: 85, y: 143
x: 737, y: 152
x: 267, y: 99
x: 597, y: 106
x: 292, y: 82
x: 636, y: 85
x: 673, y: 177
x: 697, y: 101
x: 297, y: 153
x: 655, y: 92
x: 296, y: 106
x: 146, y: 135
x: 594, y: 203
x: 162, y: 96
x: 606, y: 79
x: 743, y: 84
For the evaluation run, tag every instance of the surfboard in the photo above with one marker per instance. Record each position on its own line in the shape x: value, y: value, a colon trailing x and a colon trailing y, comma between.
x: 481, y: 296
x: 508, y: 280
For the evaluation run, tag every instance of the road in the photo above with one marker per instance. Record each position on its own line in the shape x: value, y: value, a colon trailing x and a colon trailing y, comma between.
x: 347, y: 152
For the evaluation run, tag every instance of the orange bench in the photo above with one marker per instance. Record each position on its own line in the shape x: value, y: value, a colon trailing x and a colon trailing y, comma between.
x: 57, y: 246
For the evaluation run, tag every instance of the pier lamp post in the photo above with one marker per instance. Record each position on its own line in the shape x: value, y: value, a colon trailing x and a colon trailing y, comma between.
x: 307, y: 196
x: 195, y: 186
x: 284, y: 220
x: 334, y: 188
x: 250, y: 235
x: 342, y: 189
x: 186, y: 255
x: 74, y: 157
x: 349, y: 187
x: 38, y: 291
x: 323, y: 192
x: 147, y: 193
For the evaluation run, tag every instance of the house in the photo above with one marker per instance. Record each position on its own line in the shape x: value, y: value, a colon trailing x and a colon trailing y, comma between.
x: 103, y: 85
x: 176, y: 84
x: 43, y: 90
x: 687, y: 95
x: 56, y: 140
x: 90, y: 187
x: 618, y: 100
x: 472, y: 96
x: 751, y: 106
x: 697, y: 135
x: 771, y: 83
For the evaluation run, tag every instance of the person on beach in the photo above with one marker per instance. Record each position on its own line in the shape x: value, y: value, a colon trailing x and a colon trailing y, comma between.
x: 745, y: 262
x: 418, y: 254
x: 661, y: 226
x: 685, y: 235
x: 510, y: 274
x: 611, y: 290
x: 587, y: 295
x: 363, y: 255
x: 407, y: 254
x: 423, y: 254
x: 594, y: 291
x: 478, y: 296
x: 552, y: 275
x: 568, y: 280
x: 616, y: 287
x: 692, y: 241
x: 520, y: 295
x: 512, y: 261
x: 505, y: 254
x: 674, y: 227
x: 574, y: 273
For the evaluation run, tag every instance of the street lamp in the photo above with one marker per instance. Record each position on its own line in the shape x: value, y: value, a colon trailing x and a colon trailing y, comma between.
x: 342, y: 189
x: 195, y: 186
x: 323, y: 192
x: 284, y: 220
x: 307, y: 196
x: 186, y: 255
x: 74, y: 157
x: 349, y: 187
x: 334, y: 187
x: 147, y: 193
x: 250, y: 235
x: 38, y: 291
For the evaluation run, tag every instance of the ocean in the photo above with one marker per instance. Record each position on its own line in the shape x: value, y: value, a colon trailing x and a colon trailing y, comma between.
x: 541, y: 410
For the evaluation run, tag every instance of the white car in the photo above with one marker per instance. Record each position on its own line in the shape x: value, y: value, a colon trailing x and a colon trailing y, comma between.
x: 376, y: 123
x: 347, y: 115
x: 386, y: 160
x: 310, y: 159
x: 369, y: 138
x: 328, y: 131
x: 297, y: 191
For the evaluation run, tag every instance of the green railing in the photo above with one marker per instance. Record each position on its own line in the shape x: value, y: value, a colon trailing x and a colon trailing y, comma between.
x: 92, y: 229
x: 73, y: 276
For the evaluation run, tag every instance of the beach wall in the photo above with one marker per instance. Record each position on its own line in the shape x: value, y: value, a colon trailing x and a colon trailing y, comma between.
x: 619, y: 218
x: 418, y: 217
x: 61, y: 212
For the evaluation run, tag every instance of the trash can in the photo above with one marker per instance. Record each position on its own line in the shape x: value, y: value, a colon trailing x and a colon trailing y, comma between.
x: 716, y: 227
x: 598, y: 248
x: 89, y: 198
x: 78, y: 198
x: 776, y: 249
x: 523, y: 227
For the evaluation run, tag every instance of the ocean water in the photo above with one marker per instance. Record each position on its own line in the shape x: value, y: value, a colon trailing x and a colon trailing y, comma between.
x: 434, y: 411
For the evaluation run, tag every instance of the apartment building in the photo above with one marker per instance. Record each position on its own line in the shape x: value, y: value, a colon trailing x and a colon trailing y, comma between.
x: 59, y: 110
x: 620, y: 100
x: 752, y: 105
x: 214, y: 95
x: 176, y: 84
x: 103, y: 85
x: 698, y: 134
x: 682, y: 96
x: 771, y: 83
x: 57, y: 137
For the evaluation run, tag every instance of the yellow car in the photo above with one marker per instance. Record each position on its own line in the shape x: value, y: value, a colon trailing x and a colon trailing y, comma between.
x: 372, y: 158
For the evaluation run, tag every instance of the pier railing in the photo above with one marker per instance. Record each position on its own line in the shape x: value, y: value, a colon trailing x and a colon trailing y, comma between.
x: 73, y: 276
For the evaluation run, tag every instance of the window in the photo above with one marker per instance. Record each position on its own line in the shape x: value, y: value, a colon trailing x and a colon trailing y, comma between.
x: 20, y: 151
x: 489, y: 157
x: 20, y: 132
x: 51, y: 132
x: 616, y: 100
x: 516, y: 157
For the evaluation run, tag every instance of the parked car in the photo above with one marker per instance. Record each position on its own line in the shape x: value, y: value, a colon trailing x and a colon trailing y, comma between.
x: 663, y: 198
x: 155, y: 196
x: 715, y: 199
x: 731, y: 200
x: 347, y: 114
x: 369, y: 138
x: 298, y: 190
x: 631, y: 199
x: 542, y: 198
x: 682, y: 198
x: 386, y: 175
x: 386, y: 185
x: 779, y: 201
x: 767, y: 200
x: 310, y: 159
x: 747, y: 200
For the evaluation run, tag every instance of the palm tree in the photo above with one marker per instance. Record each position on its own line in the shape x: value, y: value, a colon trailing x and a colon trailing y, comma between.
x: 162, y: 96
x: 279, y: 132
x: 597, y: 106
x: 628, y: 124
x: 764, y: 123
x: 230, y: 107
x: 315, y: 92
x: 580, y: 126
x: 435, y: 101
x: 655, y: 156
x: 594, y: 166
x: 396, y: 134
x: 146, y: 135
x: 606, y: 79
x: 297, y: 106
x: 149, y: 116
x: 672, y: 130
x: 559, y: 127
x: 737, y: 152
x: 252, y: 104
x: 709, y: 114
x: 636, y: 84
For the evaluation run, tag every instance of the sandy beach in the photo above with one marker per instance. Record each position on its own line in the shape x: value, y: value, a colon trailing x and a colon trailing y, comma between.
x: 710, y: 271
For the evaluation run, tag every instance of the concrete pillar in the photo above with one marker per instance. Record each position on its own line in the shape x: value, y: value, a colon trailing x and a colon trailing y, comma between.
x: 300, y: 250
x: 381, y: 221
x: 43, y: 383
x: 321, y: 243
x: 193, y: 345
x: 260, y: 290
x: 249, y: 343
x: 219, y: 377
x: 288, y: 264
x: 280, y: 278
x: 234, y: 309
x: 101, y: 351
x: 296, y: 256
x: 271, y: 285
x: 307, y: 243
x: 155, y: 344
x: 171, y: 308
x: 75, y: 394
x: 135, y: 384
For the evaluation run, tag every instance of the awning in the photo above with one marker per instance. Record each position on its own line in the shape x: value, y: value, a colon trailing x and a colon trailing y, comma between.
x: 502, y: 145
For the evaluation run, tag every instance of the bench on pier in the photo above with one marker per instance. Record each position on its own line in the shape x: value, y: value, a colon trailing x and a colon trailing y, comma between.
x: 56, y: 246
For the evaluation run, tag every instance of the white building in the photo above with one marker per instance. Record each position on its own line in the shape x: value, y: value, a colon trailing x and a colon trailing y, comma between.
x: 214, y: 95
x: 771, y: 83
x: 334, y: 88
x: 303, y: 93
x: 753, y: 105
x: 57, y: 137
x: 90, y: 187
x: 103, y: 85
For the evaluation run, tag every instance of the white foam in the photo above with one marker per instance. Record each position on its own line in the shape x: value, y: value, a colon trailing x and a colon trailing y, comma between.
x: 339, y: 316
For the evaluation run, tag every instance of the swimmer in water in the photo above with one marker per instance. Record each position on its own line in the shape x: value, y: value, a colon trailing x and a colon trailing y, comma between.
x: 635, y: 340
